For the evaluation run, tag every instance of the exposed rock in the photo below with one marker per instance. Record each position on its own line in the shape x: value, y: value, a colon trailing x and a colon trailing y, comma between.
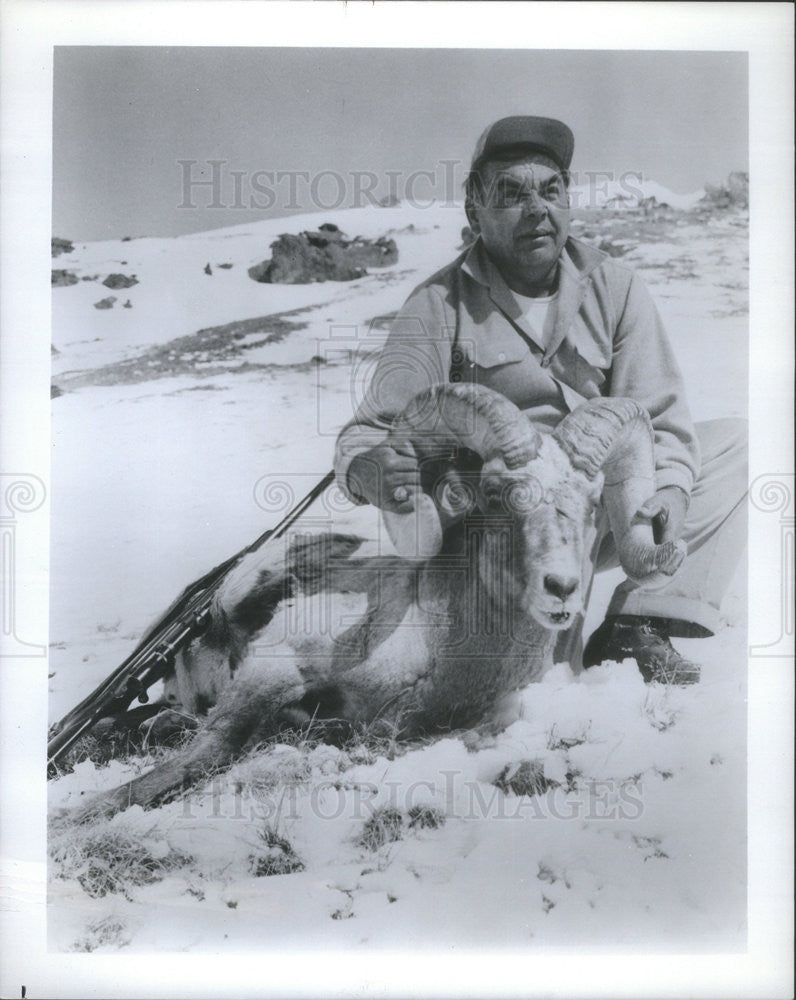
x: 55, y: 392
x: 657, y: 211
x: 621, y: 202
x: 61, y: 278
x: 324, y: 255
x: 128, y: 305
x: 120, y: 281
x: 734, y: 193
x: 59, y: 246
x: 389, y: 201
x: 208, y: 269
x: 105, y: 303
x: 613, y: 249
x: 225, y: 266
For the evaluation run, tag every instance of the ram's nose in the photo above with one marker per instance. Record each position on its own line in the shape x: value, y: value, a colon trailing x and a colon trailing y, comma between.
x: 559, y: 586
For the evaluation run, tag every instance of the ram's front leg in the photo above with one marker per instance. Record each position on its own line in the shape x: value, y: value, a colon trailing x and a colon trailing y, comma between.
x: 252, y: 707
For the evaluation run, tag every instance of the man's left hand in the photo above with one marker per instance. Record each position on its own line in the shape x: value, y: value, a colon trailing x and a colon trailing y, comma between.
x: 666, y: 510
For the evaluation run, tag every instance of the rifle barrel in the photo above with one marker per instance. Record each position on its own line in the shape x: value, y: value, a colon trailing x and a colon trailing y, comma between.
x: 153, y: 657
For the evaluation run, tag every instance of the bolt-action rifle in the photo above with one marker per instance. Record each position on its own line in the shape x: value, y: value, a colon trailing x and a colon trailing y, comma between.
x: 153, y: 657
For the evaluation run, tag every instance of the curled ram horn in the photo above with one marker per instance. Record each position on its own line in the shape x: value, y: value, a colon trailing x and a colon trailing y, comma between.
x: 471, y: 416
x: 614, y: 436
x: 446, y: 415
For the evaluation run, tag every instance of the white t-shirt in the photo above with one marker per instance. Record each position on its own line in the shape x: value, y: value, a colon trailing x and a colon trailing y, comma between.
x: 536, y: 313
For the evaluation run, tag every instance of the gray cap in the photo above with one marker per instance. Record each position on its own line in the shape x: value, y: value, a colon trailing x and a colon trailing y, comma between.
x: 551, y: 137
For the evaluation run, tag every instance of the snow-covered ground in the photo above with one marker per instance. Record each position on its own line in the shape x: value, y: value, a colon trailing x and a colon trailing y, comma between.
x: 177, y: 415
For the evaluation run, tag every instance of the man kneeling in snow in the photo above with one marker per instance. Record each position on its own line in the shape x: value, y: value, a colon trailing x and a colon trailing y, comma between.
x: 551, y: 322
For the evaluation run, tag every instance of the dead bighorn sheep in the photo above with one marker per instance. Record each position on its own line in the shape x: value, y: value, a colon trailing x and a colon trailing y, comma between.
x: 429, y: 644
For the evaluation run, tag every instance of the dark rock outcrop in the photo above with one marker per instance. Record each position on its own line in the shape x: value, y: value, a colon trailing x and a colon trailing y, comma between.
x: 61, y: 278
x: 120, y: 281
x: 324, y: 255
x: 612, y: 249
x: 105, y: 303
x: 734, y: 193
x: 59, y: 246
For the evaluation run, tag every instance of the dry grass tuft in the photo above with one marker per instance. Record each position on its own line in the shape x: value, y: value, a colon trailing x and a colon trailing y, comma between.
x: 426, y: 818
x: 101, y: 934
x: 658, y: 708
x: 113, y: 860
x: 524, y: 778
x: 384, y: 827
x: 277, y: 856
x: 125, y: 745
x: 555, y: 741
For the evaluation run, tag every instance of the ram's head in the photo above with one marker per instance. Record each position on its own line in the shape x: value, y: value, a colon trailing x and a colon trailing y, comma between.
x: 528, y: 497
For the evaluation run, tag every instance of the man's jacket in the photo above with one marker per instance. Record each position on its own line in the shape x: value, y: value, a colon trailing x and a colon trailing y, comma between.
x: 604, y: 338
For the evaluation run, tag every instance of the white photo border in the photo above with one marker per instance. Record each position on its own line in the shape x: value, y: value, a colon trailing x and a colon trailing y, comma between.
x: 30, y: 30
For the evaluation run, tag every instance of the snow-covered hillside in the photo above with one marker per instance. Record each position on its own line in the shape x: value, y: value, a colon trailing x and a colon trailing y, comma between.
x: 629, y: 191
x: 179, y: 420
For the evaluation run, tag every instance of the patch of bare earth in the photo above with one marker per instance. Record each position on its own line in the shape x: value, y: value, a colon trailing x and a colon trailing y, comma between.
x: 211, y: 351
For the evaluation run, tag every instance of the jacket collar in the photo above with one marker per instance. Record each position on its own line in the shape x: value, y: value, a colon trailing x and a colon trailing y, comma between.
x: 576, y: 263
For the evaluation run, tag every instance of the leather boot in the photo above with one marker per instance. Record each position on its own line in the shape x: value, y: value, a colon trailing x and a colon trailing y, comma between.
x: 646, y: 640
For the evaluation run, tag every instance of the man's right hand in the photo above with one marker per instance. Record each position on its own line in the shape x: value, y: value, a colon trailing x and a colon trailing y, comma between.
x: 386, y: 476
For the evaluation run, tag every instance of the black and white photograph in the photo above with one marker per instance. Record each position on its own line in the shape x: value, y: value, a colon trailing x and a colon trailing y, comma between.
x: 399, y: 525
